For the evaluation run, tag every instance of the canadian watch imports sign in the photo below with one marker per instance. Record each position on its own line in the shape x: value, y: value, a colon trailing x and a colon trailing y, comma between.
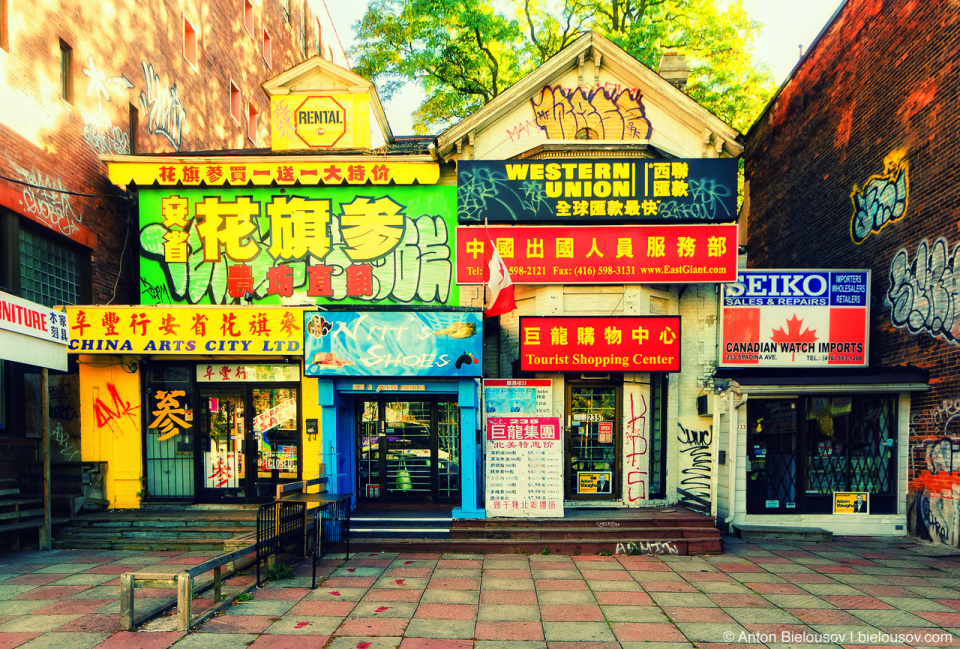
x: 796, y: 318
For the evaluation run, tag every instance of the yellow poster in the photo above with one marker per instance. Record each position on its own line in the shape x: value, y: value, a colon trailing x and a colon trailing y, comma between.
x: 320, y: 121
x: 185, y: 330
x: 856, y: 502
x: 593, y: 482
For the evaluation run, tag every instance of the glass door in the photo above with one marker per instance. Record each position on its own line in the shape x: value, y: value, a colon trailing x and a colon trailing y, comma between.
x: 223, y: 443
x: 276, y: 437
x: 408, y: 451
x: 772, y: 456
x: 592, y: 442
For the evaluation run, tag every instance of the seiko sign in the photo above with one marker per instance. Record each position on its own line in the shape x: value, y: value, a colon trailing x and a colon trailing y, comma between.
x: 757, y: 288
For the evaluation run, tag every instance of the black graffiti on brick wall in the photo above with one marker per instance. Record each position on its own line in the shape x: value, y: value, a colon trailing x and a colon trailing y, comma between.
x: 924, y: 294
x: 694, y: 489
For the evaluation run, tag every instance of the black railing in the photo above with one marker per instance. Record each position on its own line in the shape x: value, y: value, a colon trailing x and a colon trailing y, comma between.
x: 331, y: 527
x: 280, y: 524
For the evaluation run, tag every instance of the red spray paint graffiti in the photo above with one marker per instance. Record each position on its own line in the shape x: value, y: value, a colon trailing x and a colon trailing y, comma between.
x: 636, y: 452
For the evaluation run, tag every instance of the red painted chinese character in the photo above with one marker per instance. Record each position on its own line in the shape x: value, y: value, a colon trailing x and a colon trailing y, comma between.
x: 332, y: 173
x: 168, y: 325
x: 258, y: 325
x: 285, y: 173
x: 319, y: 281
x: 239, y: 280
x: 209, y: 373
x: 356, y: 173
x: 142, y: 322
x: 110, y: 321
x: 81, y: 323
x: 359, y: 280
x: 380, y: 172
x: 288, y: 324
x: 280, y: 281
x: 199, y: 324
x: 229, y: 324
x: 241, y: 372
x: 214, y: 173
x: 225, y: 373
x: 238, y: 173
x: 168, y: 174
x: 191, y: 174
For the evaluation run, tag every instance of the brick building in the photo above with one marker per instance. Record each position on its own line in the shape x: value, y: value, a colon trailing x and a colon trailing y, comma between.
x: 850, y: 166
x: 79, y: 80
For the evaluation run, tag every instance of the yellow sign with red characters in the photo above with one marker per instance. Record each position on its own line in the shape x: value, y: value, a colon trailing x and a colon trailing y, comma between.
x: 185, y: 330
x: 321, y: 121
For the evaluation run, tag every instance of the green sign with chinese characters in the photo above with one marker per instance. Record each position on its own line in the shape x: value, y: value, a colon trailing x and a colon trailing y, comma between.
x: 298, y: 245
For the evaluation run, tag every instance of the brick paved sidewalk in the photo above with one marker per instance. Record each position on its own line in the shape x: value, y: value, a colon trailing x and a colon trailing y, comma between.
x: 850, y: 592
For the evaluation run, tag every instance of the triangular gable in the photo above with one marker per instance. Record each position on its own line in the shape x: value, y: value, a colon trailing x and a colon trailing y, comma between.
x: 318, y: 105
x: 590, y: 95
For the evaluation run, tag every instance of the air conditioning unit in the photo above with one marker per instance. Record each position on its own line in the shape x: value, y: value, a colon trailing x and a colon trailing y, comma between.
x: 705, y: 405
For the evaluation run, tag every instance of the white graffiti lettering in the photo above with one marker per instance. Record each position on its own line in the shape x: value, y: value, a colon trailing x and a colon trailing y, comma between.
x: 925, y: 295
x: 103, y: 137
x: 882, y: 200
x: 166, y: 115
x: 45, y: 197
x: 647, y: 547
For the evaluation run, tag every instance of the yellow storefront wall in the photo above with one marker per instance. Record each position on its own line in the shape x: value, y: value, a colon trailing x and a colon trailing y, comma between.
x: 110, y: 421
x: 312, y: 449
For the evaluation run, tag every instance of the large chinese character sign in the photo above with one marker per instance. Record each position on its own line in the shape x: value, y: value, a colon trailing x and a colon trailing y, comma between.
x: 600, y: 344
x: 614, y: 190
x: 304, y: 245
x: 524, y: 461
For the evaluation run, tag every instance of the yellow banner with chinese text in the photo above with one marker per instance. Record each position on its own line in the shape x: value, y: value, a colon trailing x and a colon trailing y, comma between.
x: 320, y: 121
x: 231, y: 171
x: 221, y: 331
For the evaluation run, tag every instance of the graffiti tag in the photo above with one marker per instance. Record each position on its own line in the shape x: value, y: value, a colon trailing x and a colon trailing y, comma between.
x: 647, y: 547
x: 103, y: 137
x: 166, y: 115
x: 694, y: 489
x: 882, y: 200
x: 594, y: 113
x: 925, y: 294
x: 636, y: 451
x: 48, y: 200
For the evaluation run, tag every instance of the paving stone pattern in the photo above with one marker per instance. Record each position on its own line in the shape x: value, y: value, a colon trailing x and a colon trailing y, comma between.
x: 851, y: 592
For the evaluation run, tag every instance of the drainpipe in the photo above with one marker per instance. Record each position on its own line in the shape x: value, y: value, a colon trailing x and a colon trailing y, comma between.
x: 733, y: 448
x: 715, y: 441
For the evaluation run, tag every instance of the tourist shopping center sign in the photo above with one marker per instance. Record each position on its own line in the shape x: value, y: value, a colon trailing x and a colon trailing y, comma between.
x: 624, y: 254
x: 185, y: 330
x: 616, y: 190
x: 796, y: 318
x: 600, y: 344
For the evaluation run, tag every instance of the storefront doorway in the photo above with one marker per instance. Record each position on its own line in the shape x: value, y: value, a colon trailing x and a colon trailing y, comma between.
x: 249, y: 441
x: 408, y: 451
x: 803, y: 451
x: 592, y: 444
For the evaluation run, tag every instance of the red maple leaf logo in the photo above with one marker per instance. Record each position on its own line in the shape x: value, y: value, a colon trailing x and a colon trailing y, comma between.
x: 793, y: 333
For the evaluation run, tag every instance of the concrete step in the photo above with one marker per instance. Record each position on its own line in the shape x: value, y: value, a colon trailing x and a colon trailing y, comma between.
x: 579, y: 533
x: 782, y: 533
x: 569, y: 547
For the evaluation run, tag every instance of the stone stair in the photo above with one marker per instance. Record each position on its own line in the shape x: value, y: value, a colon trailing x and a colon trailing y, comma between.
x: 183, y: 528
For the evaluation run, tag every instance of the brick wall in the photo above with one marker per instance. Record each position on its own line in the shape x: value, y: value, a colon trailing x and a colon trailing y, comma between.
x: 128, y: 54
x: 855, y: 165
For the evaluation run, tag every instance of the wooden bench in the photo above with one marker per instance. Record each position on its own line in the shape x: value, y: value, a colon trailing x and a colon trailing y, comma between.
x: 186, y: 586
x: 18, y: 512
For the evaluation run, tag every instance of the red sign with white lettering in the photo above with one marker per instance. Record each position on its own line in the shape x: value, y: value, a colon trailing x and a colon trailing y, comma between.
x: 600, y: 344
x: 616, y: 254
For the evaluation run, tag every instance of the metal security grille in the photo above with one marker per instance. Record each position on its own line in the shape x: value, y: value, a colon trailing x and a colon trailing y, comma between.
x: 49, y: 273
x: 279, y: 525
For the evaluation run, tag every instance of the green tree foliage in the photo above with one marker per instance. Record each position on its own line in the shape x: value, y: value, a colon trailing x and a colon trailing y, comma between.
x: 463, y: 53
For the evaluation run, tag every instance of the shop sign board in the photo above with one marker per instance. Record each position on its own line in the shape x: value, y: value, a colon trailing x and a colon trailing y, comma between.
x: 400, y: 343
x: 319, y: 121
x: 616, y: 254
x: 524, y: 463
x: 796, y: 318
x: 32, y: 334
x: 856, y: 502
x: 307, y: 245
x: 211, y: 331
x: 600, y: 344
x: 573, y: 189
x: 234, y: 373
x: 242, y: 172
x: 506, y: 397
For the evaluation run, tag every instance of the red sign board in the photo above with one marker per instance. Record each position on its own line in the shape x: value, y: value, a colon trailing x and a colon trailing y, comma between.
x: 523, y: 429
x: 616, y: 254
x: 600, y: 344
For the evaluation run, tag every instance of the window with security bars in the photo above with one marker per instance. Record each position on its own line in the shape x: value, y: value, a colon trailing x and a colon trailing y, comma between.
x: 658, y: 442
x: 50, y: 274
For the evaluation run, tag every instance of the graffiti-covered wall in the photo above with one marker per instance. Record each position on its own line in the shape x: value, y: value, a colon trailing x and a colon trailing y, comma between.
x: 851, y: 167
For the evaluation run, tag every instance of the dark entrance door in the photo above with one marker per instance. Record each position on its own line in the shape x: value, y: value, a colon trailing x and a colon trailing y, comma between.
x: 593, y: 442
x: 249, y: 441
x: 408, y: 451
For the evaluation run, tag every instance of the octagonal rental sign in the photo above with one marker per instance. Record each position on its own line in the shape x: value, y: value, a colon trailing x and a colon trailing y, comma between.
x: 320, y: 122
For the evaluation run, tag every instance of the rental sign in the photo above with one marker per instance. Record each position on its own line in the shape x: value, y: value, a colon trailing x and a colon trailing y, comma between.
x: 796, y: 318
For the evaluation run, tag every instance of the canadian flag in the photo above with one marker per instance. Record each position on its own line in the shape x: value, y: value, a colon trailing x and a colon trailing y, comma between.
x: 498, y: 281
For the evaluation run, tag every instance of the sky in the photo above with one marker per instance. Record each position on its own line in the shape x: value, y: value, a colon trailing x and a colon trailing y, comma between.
x: 788, y: 25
